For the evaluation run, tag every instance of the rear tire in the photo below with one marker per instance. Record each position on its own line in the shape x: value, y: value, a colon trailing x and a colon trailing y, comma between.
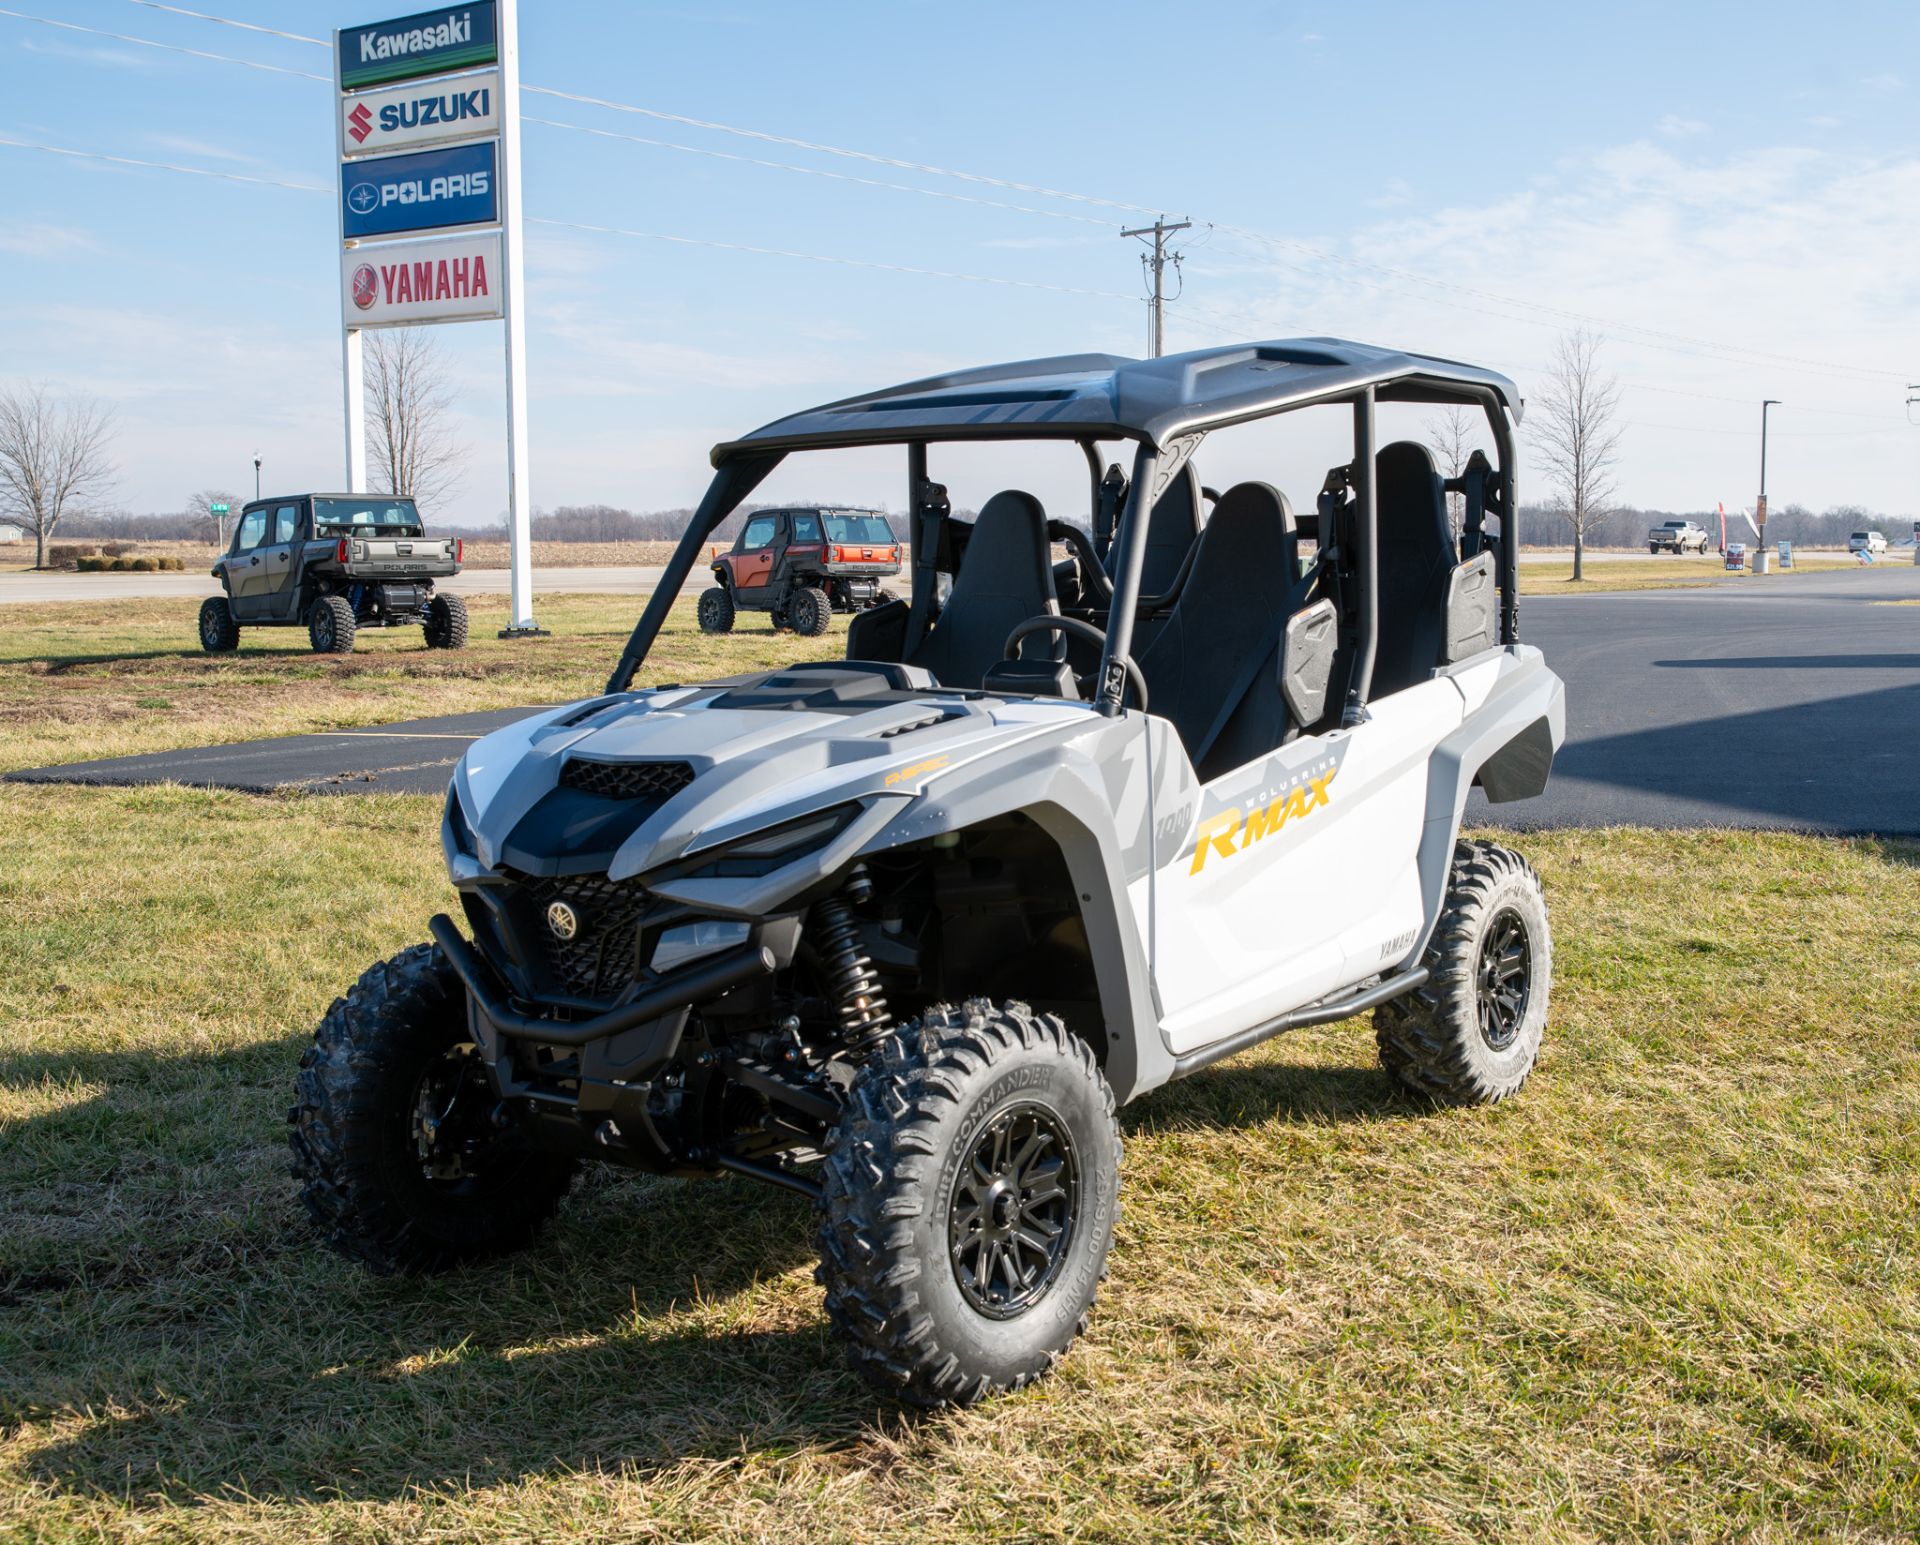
x: 399, y: 1161
x: 715, y: 610
x: 810, y: 611
x: 1471, y: 1033
x: 446, y: 623
x: 219, y: 633
x: 968, y: 1202
x: 330, y: 626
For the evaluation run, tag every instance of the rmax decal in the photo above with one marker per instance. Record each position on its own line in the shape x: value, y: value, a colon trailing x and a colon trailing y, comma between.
x: 1224, y: 835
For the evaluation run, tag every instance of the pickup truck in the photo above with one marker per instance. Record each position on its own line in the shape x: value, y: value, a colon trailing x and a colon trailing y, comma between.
x: 1677, y: 536
x: 334, y: 563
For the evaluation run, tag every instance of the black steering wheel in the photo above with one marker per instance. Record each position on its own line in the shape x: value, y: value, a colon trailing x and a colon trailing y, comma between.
x: 1082, y: 630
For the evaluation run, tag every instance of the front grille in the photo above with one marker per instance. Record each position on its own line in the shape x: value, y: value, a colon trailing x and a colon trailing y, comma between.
x: 602, y: 957
x: 625, y: 780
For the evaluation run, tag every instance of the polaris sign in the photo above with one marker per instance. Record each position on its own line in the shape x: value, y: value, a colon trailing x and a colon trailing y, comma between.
x: 455, y: 38
x: 427, y: 190
x: 399, y: 117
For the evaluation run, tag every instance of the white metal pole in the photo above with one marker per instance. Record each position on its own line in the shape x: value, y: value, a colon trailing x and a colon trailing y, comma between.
x: 519, y: 499
x: 353, y: 372
x: 353, y: 379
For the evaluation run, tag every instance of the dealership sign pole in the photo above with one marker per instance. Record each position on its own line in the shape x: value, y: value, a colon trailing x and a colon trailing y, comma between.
x: 427, y: 127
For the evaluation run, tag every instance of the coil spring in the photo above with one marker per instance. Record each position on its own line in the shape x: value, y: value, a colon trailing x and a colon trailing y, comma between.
x: 850, y: 977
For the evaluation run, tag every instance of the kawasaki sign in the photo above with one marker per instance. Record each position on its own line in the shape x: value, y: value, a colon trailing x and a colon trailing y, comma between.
x: 454, y: 38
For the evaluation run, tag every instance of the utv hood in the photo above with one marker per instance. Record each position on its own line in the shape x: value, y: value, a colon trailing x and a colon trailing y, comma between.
x: 624, y: 785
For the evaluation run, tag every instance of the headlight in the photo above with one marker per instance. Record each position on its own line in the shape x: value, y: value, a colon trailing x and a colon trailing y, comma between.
x: 458, y: 826
x: 692, y: 941
x: 794, y: 837
x: 763, y: 852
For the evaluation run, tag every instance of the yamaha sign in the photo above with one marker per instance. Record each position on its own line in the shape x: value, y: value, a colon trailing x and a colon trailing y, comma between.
x: 427, y: 190
x: 456, y: 38
x: 424, y: 113
x: 446, y: 279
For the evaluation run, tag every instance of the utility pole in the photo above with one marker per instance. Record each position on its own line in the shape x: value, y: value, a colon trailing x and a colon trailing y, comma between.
x: 1156, y: 266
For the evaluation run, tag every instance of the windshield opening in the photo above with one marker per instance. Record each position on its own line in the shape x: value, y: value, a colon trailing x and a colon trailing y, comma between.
x: 366, y: 517
x: 864, y: 526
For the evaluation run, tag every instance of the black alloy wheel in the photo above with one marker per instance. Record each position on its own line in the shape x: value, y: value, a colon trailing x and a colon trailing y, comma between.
x: 1010, y: 1219
x: 1504, y: 978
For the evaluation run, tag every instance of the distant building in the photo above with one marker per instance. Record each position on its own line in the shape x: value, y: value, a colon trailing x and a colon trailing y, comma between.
x: 9, y: 532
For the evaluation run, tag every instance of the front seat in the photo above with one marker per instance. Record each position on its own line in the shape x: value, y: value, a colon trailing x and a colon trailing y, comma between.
x: 1211, y: 669
x: 1172, y: 526
x: 1416, y: 556
x: 1006, y: 576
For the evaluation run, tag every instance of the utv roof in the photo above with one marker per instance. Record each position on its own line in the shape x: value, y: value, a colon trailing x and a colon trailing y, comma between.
x: 1105, y: 396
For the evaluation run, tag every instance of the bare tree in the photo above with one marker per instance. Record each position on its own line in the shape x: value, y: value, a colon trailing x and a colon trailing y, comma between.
x: 1452, y: 432
x: 53, y: 458
x: 411, y: 447
x: 1577, y: 437
x: 200, y: 510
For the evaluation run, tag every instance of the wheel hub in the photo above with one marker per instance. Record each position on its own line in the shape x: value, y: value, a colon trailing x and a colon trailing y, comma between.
x: 1504, y: 978
x: 451, y: 1129
x: 1012, y: 1211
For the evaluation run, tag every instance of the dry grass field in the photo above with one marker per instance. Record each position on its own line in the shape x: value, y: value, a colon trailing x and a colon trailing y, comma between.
x: 1669, y: 1292
x: 112, y: 678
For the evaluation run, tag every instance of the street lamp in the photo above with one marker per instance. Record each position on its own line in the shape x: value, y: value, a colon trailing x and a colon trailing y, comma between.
x: 1760, y: 511
x: 1762, y: 562
x: 1763, y: 472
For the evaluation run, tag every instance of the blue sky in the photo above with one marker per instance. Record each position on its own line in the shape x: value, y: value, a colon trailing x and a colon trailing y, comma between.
x: 1732, y: 192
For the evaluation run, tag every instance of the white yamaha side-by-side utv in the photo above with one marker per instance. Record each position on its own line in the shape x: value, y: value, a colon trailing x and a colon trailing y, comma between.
x: 897, y: 932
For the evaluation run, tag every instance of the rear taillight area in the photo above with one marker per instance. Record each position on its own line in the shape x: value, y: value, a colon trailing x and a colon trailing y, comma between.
x: 459, y: 549
x: 341, y: 552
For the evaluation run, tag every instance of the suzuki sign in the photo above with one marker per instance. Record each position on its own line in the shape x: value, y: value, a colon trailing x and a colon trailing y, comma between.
x: 456, y: 38
x: 427, y: 113
x: 391, y: 283
x: 423, y: 191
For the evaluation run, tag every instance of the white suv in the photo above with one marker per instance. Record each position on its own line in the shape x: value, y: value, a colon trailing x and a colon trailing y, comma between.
x: 1866, y: 542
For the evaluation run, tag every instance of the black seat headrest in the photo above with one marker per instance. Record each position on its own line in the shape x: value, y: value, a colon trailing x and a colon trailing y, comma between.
x: 1006, y: 576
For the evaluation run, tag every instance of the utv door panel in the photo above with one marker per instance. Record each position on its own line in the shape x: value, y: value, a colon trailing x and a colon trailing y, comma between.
x: 245, y: 568
x: 752, y: 563
x: 1302, y: 873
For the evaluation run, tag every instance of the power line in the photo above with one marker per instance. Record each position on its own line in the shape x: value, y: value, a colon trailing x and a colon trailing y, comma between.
x: 815, y: 257
x: 163, y: 166
x: 1703, y: 345
x: 228, y: 21
x: 816, y: 171
x: 604, y: 230
x: 171, y: 48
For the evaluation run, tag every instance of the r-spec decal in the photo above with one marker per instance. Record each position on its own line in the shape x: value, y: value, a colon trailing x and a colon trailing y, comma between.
x: 1226, y: 834
x: 932, y: 764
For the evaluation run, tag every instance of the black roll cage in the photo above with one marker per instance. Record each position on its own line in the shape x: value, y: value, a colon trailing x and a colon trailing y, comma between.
x: 741, y: 466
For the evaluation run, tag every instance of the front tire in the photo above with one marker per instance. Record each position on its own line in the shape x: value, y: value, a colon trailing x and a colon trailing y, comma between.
x: 811, y: 611
x: 400, y: 1161
x: 715, y: 610
x: 219, y: 633
x: 446, y: 623
x: 968, y: 1203
x: 330, y: 626
x: 1470, y: 1035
